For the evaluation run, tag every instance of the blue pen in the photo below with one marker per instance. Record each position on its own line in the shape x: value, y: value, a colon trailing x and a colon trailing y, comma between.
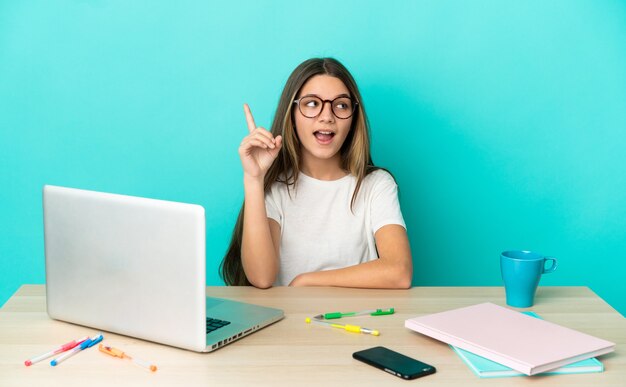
x: 84, y: 345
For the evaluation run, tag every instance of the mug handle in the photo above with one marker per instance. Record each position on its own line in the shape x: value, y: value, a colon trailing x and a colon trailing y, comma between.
x: 552, y: 268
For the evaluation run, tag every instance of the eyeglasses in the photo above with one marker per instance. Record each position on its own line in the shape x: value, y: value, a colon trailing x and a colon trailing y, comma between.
x: 311, y: 106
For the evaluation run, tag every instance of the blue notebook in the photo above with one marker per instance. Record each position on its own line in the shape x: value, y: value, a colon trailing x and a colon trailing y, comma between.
x: 490, y: 369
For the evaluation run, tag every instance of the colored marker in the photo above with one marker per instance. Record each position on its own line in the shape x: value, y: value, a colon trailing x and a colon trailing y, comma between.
x: 347, y: 327
x: 62, y: 348
x: 90, y: 342
x: 122, y: 355
x: 373, y: 312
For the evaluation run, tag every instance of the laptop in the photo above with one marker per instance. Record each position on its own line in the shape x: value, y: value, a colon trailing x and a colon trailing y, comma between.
x: 136, y: 267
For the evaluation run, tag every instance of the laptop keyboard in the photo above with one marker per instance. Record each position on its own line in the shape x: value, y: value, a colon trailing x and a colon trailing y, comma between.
x: 213, y: 324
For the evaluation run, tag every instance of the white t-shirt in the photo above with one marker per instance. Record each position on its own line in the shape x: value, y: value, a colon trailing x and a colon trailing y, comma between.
x: 318, y: 229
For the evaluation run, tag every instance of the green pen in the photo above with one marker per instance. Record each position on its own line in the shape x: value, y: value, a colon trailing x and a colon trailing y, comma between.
x: 371, y: 312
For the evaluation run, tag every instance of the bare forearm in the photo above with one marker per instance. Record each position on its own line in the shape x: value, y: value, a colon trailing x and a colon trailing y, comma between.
x: 379, y: 274
x: 258, y: 255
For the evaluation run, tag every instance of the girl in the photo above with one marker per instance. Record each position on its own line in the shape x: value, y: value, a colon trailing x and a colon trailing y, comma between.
x: 317, y: 212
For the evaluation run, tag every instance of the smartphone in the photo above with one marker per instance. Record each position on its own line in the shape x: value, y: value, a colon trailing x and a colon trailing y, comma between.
x: 394, y: 363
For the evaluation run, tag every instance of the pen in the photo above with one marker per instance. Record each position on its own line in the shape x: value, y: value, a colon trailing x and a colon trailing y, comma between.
x: 122, y: 355
x: 373, y: 312
x: 90, y: 342
x: 62, y: 348
x: 347, y: 327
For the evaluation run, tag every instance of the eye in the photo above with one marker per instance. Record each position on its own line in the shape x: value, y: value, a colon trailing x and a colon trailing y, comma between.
x: 310, y: 102
x: 343, y: 104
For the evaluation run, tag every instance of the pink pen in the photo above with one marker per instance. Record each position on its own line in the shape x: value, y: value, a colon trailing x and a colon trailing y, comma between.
x: 63, y: 348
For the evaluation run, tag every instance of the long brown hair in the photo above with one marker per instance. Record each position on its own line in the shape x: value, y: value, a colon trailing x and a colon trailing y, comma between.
x: 355, y: 152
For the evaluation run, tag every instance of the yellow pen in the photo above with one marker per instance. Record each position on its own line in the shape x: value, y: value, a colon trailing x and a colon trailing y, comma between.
x: 118, y: 353
x: 347, y: 327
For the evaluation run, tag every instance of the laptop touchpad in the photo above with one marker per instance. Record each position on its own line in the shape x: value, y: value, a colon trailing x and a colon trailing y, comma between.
x: 213, y: 302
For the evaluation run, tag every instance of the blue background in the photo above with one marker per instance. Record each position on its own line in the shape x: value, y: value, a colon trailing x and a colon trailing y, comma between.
x: 503, y: 121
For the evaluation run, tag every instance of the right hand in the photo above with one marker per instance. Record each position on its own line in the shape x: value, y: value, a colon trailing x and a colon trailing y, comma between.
x: 259, y: 148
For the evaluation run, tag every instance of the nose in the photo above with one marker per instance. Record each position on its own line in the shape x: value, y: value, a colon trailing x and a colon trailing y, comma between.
x: 327, y: 115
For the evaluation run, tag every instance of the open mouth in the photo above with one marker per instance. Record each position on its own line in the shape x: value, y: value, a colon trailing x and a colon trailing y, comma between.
x: 324, y: 136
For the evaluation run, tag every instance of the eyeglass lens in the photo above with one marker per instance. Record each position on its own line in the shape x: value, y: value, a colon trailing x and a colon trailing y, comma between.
x: 311, y: 106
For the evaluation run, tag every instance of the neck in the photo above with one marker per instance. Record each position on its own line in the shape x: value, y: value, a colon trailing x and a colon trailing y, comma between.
x: 326, y: 169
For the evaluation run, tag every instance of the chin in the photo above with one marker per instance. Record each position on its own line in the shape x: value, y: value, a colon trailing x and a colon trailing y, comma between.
x: 324, y: 154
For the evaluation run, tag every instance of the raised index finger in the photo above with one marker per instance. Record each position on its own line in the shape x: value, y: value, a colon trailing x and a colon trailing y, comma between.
x: 249, y: 118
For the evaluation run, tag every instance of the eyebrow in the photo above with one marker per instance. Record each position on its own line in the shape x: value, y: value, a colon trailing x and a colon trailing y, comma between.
x: 315, y: 95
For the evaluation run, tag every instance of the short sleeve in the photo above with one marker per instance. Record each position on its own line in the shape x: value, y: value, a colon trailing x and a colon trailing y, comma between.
x: 271, y: 206
x: 385, y: 206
